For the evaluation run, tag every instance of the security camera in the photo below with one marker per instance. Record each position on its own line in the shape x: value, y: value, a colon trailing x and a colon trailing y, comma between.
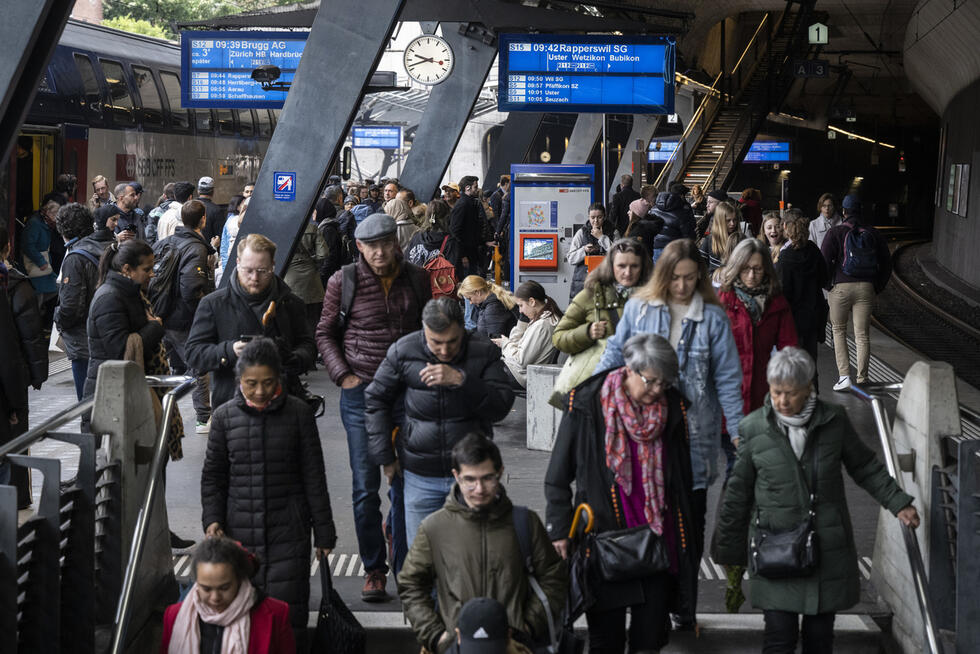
x: 266, y: 74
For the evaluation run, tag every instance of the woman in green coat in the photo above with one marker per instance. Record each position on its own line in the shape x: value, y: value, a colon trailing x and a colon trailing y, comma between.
x: 594, y: 312
x: 770, y: 485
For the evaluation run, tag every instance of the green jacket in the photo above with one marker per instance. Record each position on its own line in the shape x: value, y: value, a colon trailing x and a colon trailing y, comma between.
x: 589, y: 306
x: 768, y: 478
x: 465, y: 554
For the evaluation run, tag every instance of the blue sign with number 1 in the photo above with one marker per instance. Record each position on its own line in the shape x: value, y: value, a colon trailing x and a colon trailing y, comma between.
x: 284, y: 187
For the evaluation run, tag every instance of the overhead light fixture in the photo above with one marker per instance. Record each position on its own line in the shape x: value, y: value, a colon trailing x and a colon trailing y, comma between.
x: 858, y: 136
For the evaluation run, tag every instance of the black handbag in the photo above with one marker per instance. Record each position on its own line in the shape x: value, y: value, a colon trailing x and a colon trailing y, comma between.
x: 791, y: 553
x: 631, y: 553
x: 337, y: 630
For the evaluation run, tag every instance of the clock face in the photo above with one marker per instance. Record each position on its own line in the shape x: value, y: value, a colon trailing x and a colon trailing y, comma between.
x: 428, y: 59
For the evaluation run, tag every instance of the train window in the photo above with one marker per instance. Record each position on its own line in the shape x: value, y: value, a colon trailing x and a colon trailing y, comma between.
x: 265, y: 123
x: 179, y: 117
x: 120, y: 99
x: 245, y: 125
x: 152, y: 105
x: 226, y: 121
x: 202, y: 118
x: 90, y: 83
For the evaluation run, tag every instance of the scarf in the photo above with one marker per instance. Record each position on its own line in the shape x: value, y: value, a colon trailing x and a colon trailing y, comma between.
x: 754, y: 299
x: 262, y: 407
x: 644, y: 424
x: 795, y: 426
x: 258, y: 303
x: 186, y: 636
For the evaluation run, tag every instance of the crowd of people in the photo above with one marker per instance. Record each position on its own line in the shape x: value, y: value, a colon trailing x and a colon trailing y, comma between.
x: 693, y: 331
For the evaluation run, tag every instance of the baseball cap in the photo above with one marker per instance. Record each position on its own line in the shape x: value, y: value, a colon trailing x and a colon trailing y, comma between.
x: 483, y: 627
x: 205, y: 182
x: 450, y: 187
x: 137, y: 187
x: 851, y: 202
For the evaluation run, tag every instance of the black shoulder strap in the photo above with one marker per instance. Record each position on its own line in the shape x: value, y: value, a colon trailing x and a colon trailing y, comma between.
x: 348, y: 286
x: 813, y: 475
x: 88, y: 255
x: 522, y: 528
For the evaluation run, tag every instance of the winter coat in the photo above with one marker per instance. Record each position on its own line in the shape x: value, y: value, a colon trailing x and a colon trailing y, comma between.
x: 802, y: 274
x: 117, y: 310
x: 195, y: 277
x: 216, y: 218
x: 576, y: 255
x: 224, y: 316
x: 579, y: 456
x: 376, y: 319
x: 710, y: 372
x: 465, y: 227
x: 528, y: 344
x: 228, y: 235
x: 833, y: 249
x: 819, y: 227
x: 27, y: 320
x: 645, y: 231
x: 590, y: 305
x: 465, y: 554
x: 492, y: 317
x: 269, y: 631
x: 678, y: 219
x: 303, y: 273
x: 769, y: 482
x: 36, y: 246
x: 620, y: 213
x: 755, y: 342
x: 436, y: 417
x: 264, y: 483
x: 336, y: 243
x: 134, y: 221
x: 79, y: 279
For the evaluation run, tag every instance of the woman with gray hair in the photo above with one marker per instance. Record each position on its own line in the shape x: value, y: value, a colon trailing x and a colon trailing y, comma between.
x: 624, y: 443
x: 789, y: 465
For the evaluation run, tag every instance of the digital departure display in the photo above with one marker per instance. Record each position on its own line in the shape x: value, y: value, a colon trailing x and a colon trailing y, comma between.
x: 660, y: 151
x: 759, y: 152
x: 386, y: 137
x: 216, y: 68
x: 586, y: 74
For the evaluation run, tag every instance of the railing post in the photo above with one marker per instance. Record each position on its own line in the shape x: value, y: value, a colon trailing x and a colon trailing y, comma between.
x: 8, y: 569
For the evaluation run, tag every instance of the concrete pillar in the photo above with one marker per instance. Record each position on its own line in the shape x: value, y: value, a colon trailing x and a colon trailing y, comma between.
x: 928, y: 410
x: 543, y: 419
x: 582, y: 142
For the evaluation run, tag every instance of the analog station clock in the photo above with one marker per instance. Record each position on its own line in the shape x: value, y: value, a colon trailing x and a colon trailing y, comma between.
x: 429, y: 59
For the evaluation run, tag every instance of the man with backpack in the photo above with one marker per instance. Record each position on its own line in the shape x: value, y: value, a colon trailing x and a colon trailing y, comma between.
x: 368, y: 305
x: 860, y: 264
x: 183, y: 275
x: 336, y: 230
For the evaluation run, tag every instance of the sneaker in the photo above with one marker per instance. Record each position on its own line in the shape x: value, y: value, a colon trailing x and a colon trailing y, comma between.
x: 843, y: 384
x: 202, y: 427
x: 374, y: 587
x: 178, y: 543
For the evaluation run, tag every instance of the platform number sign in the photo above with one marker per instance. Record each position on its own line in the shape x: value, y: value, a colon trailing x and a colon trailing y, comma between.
x: 817, y: 34
x: 285, y: 186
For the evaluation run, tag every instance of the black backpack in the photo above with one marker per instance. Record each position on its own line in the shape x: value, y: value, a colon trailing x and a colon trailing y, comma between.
x: 860, y: 253
x: 166, y: 272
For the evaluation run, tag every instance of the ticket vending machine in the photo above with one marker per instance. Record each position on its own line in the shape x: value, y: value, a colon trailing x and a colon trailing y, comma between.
x: 548, y: 203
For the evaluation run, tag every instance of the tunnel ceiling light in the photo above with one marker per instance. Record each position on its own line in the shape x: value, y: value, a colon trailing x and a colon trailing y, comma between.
x: 858, y: 136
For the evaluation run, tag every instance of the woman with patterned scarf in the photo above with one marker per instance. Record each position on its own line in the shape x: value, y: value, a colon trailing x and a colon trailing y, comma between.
x: 624, y: 443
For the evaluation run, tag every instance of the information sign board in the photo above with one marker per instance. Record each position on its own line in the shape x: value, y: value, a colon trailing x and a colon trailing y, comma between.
x: 284, y: 188
x: 586, y: 73
x: 216, y: 68
x: 386, y: 137
x: 768, y: 152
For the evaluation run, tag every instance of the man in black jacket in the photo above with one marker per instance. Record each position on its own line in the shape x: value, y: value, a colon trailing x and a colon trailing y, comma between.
x: 620, y: 213
x: 678, y: 217
x: 255, y: 303
x: 216, y: 215
x: 454, y: 383
x: 195, y: 279
x: 465, y: 227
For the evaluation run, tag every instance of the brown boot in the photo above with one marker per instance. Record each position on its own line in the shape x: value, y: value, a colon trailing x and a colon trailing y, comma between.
x: 374, y: 587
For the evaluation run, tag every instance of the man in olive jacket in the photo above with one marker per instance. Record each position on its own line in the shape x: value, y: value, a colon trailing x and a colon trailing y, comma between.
x: 469, y: 549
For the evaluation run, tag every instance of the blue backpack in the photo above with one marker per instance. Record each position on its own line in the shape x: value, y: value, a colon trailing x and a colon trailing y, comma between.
x: 860, y: 253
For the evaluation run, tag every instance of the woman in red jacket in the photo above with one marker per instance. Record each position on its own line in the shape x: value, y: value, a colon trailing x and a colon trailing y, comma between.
x: 223, y: 612
x: 760, y: 316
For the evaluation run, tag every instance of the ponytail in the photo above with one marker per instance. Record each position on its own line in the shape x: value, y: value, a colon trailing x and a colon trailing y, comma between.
x: 118, y: 255
x: 535, y: 291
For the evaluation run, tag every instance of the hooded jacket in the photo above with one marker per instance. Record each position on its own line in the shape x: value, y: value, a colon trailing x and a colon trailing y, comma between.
x: 195, y: 279
x: 27, y: 320
x: 678, y: 219
x: 492, y: 317
x: 79, y: 279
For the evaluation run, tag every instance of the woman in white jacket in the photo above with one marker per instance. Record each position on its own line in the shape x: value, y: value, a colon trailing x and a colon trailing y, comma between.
x: 529, y: 342
x: 593, y: 239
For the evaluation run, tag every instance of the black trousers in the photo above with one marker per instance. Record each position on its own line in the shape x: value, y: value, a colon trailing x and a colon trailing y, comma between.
x: 809, y: 340
x: 783, y: 630
x: 649, y: 621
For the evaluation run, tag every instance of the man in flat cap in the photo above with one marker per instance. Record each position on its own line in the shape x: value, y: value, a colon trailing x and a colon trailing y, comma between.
x: 369, y: 304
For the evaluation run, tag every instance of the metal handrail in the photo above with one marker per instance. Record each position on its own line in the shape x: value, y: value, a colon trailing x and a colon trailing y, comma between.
x: 124, y: 608
x: 870, y: 394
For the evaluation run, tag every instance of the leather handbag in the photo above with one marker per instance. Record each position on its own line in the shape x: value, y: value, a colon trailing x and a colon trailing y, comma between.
x: 631, y: 553
x: 790, y: 553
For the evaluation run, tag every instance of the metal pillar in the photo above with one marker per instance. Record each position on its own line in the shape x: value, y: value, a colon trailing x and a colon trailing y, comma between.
x: 512, y: 145
x: 29, y: 31
x: 449, y: 108
x: 342, y: 51
x: 583, y: 139
x: 643, y: 128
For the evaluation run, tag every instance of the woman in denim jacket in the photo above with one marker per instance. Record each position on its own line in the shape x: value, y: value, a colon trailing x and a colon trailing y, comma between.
x: 679, y: 304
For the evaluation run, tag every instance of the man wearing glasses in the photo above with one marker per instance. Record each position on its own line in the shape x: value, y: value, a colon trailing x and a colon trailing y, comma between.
x: 255, y: 303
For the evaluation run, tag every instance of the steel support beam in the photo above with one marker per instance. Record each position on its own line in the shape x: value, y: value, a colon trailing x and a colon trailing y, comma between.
x: 316, y: 117
x: 643, y: 128
x: 448, y: 110
x: 582, y: 142
x: 30, y: 31
x: 512, y: 145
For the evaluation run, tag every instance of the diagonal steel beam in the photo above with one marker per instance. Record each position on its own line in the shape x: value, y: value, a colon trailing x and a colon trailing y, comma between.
x: 512, y: 145
x: 582, y: 141
x: 316, y: 117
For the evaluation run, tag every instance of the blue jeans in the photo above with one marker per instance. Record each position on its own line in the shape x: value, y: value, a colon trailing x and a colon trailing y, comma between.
x: 656, y: 254
x: 396, y: 524
x: 366, y: 480
x: 79, y: 370
x: 423, y: 496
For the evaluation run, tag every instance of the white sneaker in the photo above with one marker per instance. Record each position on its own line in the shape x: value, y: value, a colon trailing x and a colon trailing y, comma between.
x: 843, y: 384
x: 203, y: 427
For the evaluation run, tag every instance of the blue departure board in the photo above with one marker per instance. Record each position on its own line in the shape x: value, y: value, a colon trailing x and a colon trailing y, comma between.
x: 660, y: 151
x: 216, y: 67
x: 759, y: 152
x: 386, y: 137
x: 586, y: 73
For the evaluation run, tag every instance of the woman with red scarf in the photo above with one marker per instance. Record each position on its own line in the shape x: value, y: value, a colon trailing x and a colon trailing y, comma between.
x: 624, y: 443
x: 263, y: 481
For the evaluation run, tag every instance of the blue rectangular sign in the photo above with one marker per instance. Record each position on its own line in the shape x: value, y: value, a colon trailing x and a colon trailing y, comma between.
x: 660, y: 151
x: 386, y: 137
x: 586, y: 73
x: 216, y: 67
x: 284, y: 186
x: 768, y: 152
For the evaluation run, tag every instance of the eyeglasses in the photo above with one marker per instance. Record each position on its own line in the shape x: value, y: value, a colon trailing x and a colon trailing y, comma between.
x: 469, y: 483
x: 654, y: 383
x: 754, y: 270
x: 258, y: 272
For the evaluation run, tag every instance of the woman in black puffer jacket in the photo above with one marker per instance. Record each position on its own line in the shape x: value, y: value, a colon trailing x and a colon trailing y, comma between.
x: 263, y: 481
